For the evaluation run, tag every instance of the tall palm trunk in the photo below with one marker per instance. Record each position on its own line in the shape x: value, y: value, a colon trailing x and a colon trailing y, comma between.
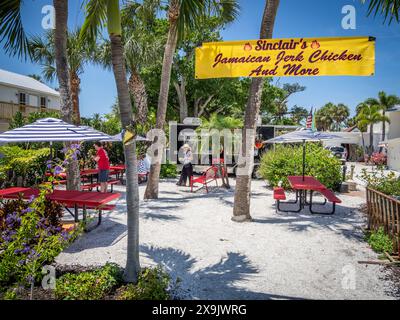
x: 170, y: 47
x: 383, y: 129
x: 132, y: 191
x: 60, y: 44
x: 371, y: 139
x: 140, y: 97
x: 241, y: 208
x: 75, y: 88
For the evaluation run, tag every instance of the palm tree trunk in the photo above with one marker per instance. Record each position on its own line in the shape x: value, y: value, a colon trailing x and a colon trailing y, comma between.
x: 132, y: 191
x: 60, y: 44
x: 75, y: 88
x: 170, y: 47
x: 371, y: 139
x: 140, y: 97
x: 383, y: 129
x: 241, y: 207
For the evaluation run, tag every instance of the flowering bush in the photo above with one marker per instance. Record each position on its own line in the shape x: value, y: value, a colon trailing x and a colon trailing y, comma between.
x: 31, y: 236
x: 31, y: 232
x: 386, y: 183
x: 378, y: 159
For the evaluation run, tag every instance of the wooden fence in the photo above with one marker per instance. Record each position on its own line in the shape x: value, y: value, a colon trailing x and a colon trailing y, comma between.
x: 384, y: 211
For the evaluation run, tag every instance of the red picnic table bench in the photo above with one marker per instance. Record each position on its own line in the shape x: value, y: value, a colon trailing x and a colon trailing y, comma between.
x: 302, y: 185
x: 69, y: 199
x: 87, y: 178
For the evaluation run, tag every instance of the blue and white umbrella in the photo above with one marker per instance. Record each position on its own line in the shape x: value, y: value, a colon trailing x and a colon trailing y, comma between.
x: 303, y: 135
x: 118, y: 138
x: 51, y: 130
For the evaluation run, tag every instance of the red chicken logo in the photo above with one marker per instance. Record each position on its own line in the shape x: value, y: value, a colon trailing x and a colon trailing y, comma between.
x: 315, y: 44
x: 247, y: 47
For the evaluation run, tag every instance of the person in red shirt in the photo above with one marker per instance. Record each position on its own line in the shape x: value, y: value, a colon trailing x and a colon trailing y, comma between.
x: 103, y: 165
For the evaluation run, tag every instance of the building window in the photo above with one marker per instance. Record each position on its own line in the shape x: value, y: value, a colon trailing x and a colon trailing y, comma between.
x: 22, y: 99
x: 43, y: 103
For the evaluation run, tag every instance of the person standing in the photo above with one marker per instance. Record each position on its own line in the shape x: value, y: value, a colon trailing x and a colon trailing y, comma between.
x: 187, y: 169
x: 103, y: 165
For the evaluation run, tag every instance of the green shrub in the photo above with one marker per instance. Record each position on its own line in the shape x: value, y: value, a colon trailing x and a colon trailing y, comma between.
x: 168, y: 170
x: 380, y: 241
x: 276, y: 165
x: 152, y: 285
x: 388, y: 184
x: 28, y: 164
x: 91, y: 285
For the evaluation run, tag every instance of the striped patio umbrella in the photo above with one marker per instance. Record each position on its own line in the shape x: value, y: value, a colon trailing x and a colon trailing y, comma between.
x: 303, y: 135
x: 51, y: 130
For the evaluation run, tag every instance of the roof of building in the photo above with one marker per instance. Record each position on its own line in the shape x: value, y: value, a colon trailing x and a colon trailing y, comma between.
x: 351, y: 129
x: 395, y: 108
x: 25, y: 82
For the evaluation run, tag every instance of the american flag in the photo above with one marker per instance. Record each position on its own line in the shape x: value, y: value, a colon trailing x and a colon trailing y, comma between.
x: 309, y: 120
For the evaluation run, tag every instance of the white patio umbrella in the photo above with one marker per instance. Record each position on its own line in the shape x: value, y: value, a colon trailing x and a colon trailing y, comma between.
x: 302, y: 135
x: 118, y: 138
x: 51, y: 130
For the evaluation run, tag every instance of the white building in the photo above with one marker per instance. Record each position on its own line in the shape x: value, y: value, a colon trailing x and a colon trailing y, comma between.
x: 393, y: 138
x: 24, y: 94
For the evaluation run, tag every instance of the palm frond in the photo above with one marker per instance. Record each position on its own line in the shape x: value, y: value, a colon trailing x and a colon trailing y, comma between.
x: 96, y: 17
x: 12, y: 32
x: 388, y: 8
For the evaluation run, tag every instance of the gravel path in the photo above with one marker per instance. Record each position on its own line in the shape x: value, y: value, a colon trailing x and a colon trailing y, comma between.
x: 278, y: 256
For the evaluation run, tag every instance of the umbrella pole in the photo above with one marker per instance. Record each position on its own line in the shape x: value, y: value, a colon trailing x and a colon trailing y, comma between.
x: 304, y: 158
x: 51, y: 151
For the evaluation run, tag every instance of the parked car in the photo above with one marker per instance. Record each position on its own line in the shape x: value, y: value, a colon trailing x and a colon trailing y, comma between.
x: 338, y: 152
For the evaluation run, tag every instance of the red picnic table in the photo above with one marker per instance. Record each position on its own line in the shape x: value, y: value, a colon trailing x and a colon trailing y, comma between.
x: 88, y: 175
x: 68, y: 199
x: 302, y: 185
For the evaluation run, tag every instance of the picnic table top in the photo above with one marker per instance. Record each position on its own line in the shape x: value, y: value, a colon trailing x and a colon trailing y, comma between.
x: 64, y: 196
x: 308, y: 183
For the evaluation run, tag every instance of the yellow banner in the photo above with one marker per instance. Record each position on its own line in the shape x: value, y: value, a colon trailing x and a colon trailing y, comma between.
x: 350, y: 56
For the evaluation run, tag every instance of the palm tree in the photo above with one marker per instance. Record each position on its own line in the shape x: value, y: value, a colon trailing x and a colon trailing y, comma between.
x: 324, y: 117
x: 385, y: 102
x: 369, y: 115
x: 182, y: 16
x: 13, y: 35
x: 241, y: 208
x: 298, y: 114
x: 340, y: 113
x: 142, y: 48
x: 99, y: 13
x: 78, y: 54
x: 388, y: 8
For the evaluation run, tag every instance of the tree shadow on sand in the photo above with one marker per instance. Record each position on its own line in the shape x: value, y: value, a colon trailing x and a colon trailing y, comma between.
x: 345, y: 221
x: 217, y: 281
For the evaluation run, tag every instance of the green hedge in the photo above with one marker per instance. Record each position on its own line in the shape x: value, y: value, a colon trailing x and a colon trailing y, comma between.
x: 276, y: 165
x: 28, y: 164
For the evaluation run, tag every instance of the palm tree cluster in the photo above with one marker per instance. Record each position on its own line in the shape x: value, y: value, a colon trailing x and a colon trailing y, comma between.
x: 331, y: 116
x: 373, y: 111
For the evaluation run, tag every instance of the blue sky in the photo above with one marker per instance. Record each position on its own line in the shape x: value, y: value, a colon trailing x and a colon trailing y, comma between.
x: 308, y: 18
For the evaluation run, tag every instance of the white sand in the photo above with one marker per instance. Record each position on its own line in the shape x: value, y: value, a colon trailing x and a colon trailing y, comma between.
x: 278, y: 256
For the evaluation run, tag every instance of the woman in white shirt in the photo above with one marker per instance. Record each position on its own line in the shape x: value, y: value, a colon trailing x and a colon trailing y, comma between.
x: 187, y: 169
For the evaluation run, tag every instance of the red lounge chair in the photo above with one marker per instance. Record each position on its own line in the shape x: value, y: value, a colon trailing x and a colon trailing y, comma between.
x: 211, y: 174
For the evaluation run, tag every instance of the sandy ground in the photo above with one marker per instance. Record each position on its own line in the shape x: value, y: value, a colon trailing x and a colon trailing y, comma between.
x: 277, y: 256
